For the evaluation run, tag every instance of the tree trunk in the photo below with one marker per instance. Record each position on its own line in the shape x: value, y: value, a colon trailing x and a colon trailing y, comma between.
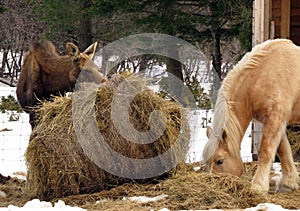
x: 85, y: 37
x: 217, y: 56
x: 174, y: 67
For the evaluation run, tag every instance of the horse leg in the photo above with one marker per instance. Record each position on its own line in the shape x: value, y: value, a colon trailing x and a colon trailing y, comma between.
x: 289, y: 179
x: 273, y: 130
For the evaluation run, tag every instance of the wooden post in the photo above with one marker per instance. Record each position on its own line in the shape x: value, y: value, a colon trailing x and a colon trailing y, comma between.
x: 261, y: 21
x: 262, y: 29
x: 285, y: 18
x: 257, y: 131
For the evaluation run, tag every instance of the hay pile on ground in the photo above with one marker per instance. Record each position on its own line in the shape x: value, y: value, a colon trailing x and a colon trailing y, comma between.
x: 57, y: 162
x: 188, y: 190
x: 293, y: 133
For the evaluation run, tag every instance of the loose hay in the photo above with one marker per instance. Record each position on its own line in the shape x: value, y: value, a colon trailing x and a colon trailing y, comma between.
x: 293, y: 133
x: 57, y: 164
x: 186, y: 191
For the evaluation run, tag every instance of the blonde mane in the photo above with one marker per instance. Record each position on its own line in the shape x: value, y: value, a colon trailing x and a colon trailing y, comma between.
x: 224, y: 117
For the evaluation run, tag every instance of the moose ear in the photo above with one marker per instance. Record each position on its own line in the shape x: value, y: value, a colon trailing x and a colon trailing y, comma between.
x: 90, y: 51
x: 208, y: 131
x: 72, y: 51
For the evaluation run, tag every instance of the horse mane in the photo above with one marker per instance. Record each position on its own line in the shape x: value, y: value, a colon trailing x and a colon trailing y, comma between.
x: 224, y: 117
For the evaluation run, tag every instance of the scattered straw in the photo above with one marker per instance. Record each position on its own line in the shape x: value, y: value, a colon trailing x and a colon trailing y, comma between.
x: 186, y: 190
x: 293, y: 133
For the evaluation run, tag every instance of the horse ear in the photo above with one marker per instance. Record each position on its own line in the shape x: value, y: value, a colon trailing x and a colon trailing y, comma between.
x: 90, y: 51
x: 224, y: 135
x: 208, y: 131
x: 72, y: 51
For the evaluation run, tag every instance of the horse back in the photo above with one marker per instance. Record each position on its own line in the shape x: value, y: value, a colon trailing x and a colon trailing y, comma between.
x: 275, y: 84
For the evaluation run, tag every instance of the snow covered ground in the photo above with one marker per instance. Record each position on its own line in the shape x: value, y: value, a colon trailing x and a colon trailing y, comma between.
x: 14, y: 137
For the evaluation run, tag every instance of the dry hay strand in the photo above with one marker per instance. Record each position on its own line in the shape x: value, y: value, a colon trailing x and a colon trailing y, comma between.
x: 14, y: 190
x: 293, y: 133
x: 57, y: 163
x: 185, y: 191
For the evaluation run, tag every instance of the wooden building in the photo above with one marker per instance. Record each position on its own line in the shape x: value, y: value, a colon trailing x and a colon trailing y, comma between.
x: 276, y: 19
x: 273, y: 19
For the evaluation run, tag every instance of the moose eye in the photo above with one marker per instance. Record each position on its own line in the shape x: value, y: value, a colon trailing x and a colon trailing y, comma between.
x: 220, y: 162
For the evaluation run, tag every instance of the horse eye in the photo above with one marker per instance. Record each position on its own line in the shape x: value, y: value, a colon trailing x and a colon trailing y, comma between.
x: 220, y: 162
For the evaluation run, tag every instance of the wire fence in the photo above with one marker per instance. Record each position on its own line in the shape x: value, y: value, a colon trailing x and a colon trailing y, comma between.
x: 15, y: 132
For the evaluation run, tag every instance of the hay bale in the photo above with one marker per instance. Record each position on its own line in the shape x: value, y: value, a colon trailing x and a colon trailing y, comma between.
x: 293, y: 134
x: 57, y: 161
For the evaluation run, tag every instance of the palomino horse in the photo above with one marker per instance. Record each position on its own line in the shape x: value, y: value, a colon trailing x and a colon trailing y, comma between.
x: 264, y: 85
x: 45, y: 73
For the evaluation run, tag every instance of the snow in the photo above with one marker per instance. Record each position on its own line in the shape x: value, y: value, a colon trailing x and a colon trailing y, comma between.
x: 37, y: 205
x: 13, y: 143
x: 14, y: 137
x: 198, y: 121
x: 259, y: 207
x: 145, y: 199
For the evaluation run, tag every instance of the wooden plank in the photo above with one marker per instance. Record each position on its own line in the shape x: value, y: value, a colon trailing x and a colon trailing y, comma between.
x: 276, y: 12
x: 257, y: 131
x: 262, y: 11
x: 295, y: 31
x: 295, y: 20
x: 256, y: 26
x: 295, y: 11
x: 276, y: 4
x: 285, y: 19
x: 266, y: 20
x: 272, y: 30
x: 295, y: 3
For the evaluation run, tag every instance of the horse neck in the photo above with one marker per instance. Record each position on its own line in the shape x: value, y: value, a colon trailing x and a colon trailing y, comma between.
x: 240, y: 107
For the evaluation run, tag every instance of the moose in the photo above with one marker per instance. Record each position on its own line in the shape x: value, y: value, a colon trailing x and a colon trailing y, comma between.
x: 45, y: 73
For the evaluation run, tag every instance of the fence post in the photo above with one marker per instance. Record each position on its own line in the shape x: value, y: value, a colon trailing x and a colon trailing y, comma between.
x: 257, y: 131
x: 261, y: 32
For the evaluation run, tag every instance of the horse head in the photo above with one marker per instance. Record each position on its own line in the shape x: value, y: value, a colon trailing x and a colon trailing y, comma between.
x: 219, y: 157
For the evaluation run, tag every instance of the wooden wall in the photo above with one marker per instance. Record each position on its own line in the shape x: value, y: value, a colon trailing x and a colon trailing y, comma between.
x: 273, y: 19
x: 295, y: 21
x: 286, y: 17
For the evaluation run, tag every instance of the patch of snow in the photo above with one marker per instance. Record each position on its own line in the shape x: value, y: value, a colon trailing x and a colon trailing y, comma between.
x: 37, y: 205
x: 267, y: 207
x: 145, y: 199
x: 276, y: 167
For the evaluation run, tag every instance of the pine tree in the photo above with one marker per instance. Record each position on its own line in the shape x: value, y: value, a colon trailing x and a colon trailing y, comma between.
x: 9, y: 103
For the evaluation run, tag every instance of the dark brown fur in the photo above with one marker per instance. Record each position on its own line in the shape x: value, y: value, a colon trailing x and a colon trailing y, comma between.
x: 45, y: 73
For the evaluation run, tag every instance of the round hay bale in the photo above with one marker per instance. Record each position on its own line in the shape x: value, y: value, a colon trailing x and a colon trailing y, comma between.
x: 293, y: 134
x: 57, y: 159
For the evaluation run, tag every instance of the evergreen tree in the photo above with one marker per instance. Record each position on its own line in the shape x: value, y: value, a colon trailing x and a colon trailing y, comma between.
x: 9, y: 103
x: 69, y: 18
x: 202, y: 22
x: 217, y: 22
x: 1, y: 8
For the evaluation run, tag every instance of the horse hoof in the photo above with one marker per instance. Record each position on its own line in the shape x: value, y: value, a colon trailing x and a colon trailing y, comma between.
x: 284, y: 188
x: 258, y: 188
x: 286, y: 184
